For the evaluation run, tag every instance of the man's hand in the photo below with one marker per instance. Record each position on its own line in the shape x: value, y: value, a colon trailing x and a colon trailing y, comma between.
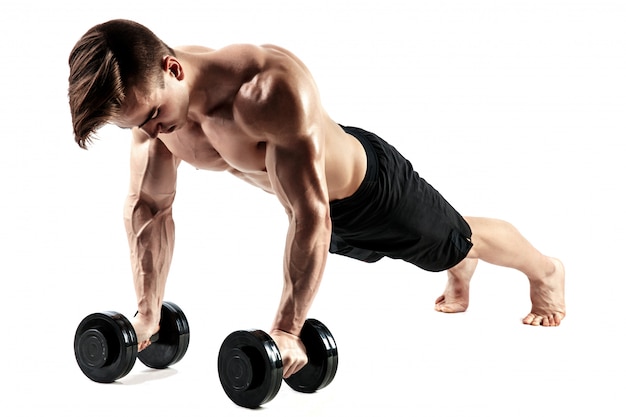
x: 145, y: 327
x: 292, y: 351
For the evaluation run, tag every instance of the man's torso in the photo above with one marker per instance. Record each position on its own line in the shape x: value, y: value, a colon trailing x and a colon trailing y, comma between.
x: 221, y: 132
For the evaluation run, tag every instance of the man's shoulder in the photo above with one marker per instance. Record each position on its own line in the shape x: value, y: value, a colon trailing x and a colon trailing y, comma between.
x: 274, y: 100
x: 273, y: 90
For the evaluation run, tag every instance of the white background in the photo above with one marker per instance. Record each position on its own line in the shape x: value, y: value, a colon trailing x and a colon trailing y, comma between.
x: 512, y: 109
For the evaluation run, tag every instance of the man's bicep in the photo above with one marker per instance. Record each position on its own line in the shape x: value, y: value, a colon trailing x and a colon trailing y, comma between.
x: 152, y: 172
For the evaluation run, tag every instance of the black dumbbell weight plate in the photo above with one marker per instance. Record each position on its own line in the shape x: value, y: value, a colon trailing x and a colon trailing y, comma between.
x: 105, y: 346
x: 323, y: 358
x: 250, y: 368
x: 173, y: 339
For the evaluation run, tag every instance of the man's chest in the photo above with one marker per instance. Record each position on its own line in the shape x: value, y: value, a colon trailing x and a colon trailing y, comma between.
x: 217, y: 144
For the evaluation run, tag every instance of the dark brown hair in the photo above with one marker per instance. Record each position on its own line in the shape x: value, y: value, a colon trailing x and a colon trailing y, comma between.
x: 108, y: 60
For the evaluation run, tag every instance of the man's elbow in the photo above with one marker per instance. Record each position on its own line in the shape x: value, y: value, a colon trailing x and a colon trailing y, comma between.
x: 315, y: 219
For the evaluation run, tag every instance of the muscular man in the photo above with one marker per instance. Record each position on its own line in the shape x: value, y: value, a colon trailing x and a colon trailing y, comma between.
x: 255, y: 112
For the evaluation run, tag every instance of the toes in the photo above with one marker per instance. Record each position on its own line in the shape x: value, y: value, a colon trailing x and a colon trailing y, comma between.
x: 533, y: 319
x: 450, y: 307
x: 557, y: 319
x: 439, y: 303
x: 551, y: 320
x: 440, y: 307
x: 528, y: 319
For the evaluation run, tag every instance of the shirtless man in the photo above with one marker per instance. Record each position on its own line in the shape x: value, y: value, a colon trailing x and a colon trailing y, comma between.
x: 255, y: 112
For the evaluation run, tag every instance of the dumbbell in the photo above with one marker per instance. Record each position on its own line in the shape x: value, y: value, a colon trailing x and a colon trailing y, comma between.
x: 105, y: 344
x: 250, y: 366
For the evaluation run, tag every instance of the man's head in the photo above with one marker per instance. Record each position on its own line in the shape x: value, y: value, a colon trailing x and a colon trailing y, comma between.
x: 109, y: 62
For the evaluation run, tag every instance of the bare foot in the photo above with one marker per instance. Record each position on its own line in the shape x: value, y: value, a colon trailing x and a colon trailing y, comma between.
x: 548, y: 298
x: 455, y: 298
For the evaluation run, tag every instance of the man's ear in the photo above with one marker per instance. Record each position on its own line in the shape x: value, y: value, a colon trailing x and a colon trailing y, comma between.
x: 173, y: 65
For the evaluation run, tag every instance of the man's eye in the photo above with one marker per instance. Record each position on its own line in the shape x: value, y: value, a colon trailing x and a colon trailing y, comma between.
x: 155, y: 114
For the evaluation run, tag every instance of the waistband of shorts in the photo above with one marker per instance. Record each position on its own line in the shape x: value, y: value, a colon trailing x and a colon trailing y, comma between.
x: 371, y: 172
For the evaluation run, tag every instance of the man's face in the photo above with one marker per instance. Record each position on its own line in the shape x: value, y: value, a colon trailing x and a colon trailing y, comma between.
x: 160, y: 110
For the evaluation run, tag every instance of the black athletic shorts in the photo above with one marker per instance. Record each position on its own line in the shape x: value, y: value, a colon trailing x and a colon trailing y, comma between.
x: 396, y: 213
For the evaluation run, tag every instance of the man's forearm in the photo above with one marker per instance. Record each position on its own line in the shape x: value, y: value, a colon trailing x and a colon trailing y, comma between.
x: 151, y: 242
x: 305, y: 258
